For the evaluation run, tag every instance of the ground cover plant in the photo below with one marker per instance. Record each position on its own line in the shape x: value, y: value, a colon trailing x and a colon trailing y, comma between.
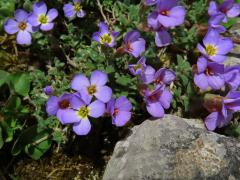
x: 77, y: 74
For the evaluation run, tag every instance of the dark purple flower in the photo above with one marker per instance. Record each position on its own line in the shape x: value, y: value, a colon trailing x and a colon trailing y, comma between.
x: 215, y: 47
x: 95, y: 87
x: 228, y: 8
x: 139, y: 68
x: 134, y: 44
x: 20, y: 26
x: 71, y: 10
x: 104, y: 37
x: 222, y: 110
x: 232, y: 76
x: 157, y: 100
x: 215, y: 23
x: 169, y: 13
x: 150, y: 2
x: 209, y: 74
x: 119, y: 110
x: 41, y: 17
x: 164, y: 76
x: 60, y: 106
x: 48, y: 90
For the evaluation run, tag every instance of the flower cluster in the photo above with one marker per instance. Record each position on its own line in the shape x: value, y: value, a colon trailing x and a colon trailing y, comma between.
x: 167, y: 15
x: 88, y: 101
x: 210, y: 73
x: 24, y: 23
x: 154, y: 89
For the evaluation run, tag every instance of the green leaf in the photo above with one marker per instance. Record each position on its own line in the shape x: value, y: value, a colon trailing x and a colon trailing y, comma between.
x: 36, y: 151
x: 21, y: 83
x: 30, y: 136
x: 3, y: 77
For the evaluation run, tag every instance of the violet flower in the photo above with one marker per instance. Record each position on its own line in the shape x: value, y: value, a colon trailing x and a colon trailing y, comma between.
x: 215, y: 23
x: 41, y: 17
x: 48, y: 90
x: 157, y: 100
x: 147, y: 75
x: 60, y: 106
x: 228, y: 8
x: 164, y: 77
x: 162, y: 37
x: 80, y: 113
x: 209, y: 74
x: 95, y: 87
x: 20, y: 26
x: 119, y: 110
x: 139, y: 67
x: 134, y: 44
x: 150, y: 2
x: 232, y: 76
x: 105, y: 37
x: 215, y: 47
x: 222, y: 110
x: 169, y: 14
x: 71, y: 10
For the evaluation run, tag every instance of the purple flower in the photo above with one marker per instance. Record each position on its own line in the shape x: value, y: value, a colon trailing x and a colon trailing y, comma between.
x: 119, y: 110
x: 41, y: 17
x: 215, y: 23
x: 157, y: 100
x: 95, y: 87
x: 169, y: 13
x: 232, y: 76
x: 104, y: 37
x: 71, y: 10
x: 79, y: 113
x: 139, y: 68
x: 222, y: 110
x: 134, y: 44
x: 228, y: 8
x: 150, y: 2
x: 60, y: 106
x: 164, y: 76
x: 209, y: 74
x: 162, y: 37
x: 147, y: 76
x: 215, y: 47
x: 48, y: 90
x: 20, y: 26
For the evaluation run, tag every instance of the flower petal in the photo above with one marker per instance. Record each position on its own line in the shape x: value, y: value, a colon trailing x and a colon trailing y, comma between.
x: 33, y: 20
x: 104, y: 93
x: 52, y: 105
x: 122, y: 118
x: 212, y: 37
x: 68, y: 116
x: 24, y: 38
x: 216, y: 82
x: 98, y: 78
x: 82, y: 128
x: 69, y: 11
x: 201, y: 81
x: 123, y: 104
x: 79, y: 82
x: 162, y: 38
x: 97, y: 109
x: 21, y: 15
x: 52, y: 14
x: 155, y: 109
x: 81, y: 14
x: 211, y: 121
x: 11, y: 26
x: 166, y: 99
x: 47, y: 27
x: 40, y: 8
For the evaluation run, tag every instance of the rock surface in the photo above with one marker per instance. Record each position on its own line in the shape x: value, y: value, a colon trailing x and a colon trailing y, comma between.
x: 174, y: 148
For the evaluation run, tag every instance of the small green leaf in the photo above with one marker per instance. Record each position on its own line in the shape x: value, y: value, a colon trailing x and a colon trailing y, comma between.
x: 21, y: 83
x: 1, y: 138
x: 3, y: 77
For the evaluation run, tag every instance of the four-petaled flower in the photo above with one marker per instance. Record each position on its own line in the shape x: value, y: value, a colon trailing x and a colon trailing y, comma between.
x: 134, y: 44
x: 105, y: 37
x: 228, y: 9
x: 20, y: 26
x: 95, y: 87
x: 71, y: 10
x: 215, y: 47
x: 119, y: 110
x: 41, y: 17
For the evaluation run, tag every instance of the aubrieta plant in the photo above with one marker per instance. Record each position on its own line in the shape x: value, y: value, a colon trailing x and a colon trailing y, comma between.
x: 211, y: 74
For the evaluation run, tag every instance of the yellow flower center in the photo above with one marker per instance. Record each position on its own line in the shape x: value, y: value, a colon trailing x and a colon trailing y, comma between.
x: 22, y: 26
x: 92, y: 89
x: 211, y: 50
x: 106, y: 38
x: 138, y: 66
x: 83, y: 112
x: 43, y: 19
x: 77, y: 7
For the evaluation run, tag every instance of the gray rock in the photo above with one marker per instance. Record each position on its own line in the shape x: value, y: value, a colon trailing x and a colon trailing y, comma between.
x: 174, y: 148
